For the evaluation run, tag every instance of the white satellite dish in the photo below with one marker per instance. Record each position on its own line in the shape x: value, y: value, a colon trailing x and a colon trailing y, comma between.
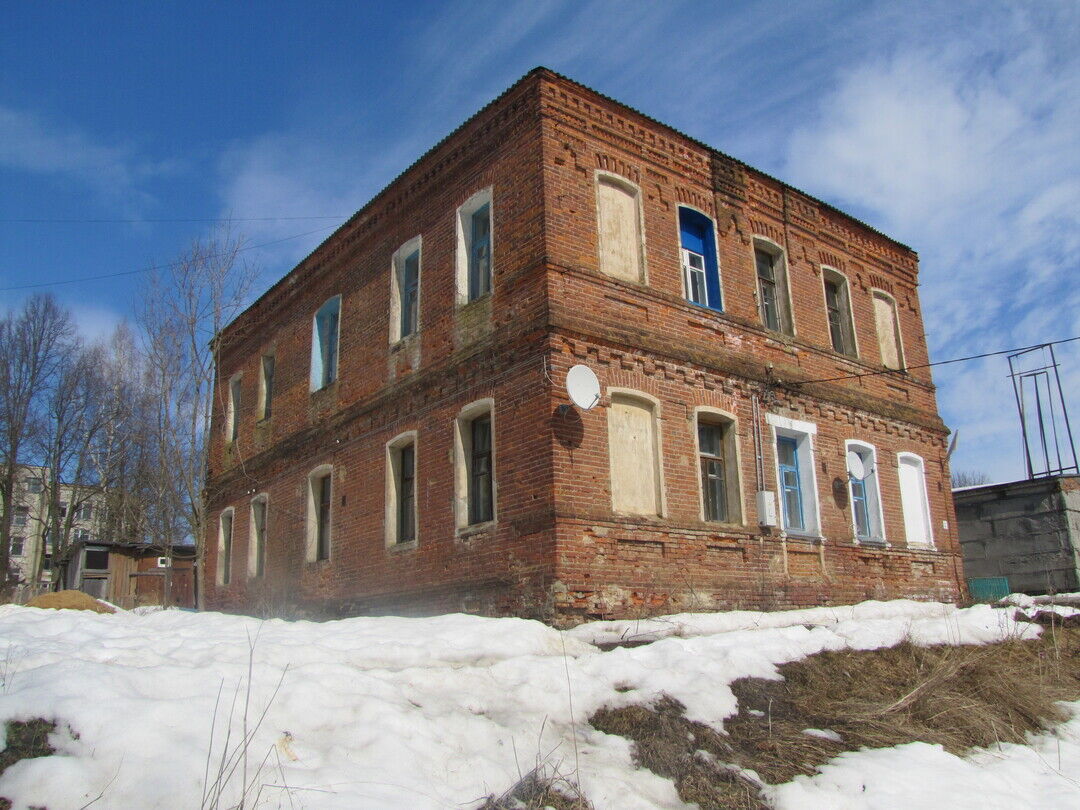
x: 855, y: 465
x: 583, y: 387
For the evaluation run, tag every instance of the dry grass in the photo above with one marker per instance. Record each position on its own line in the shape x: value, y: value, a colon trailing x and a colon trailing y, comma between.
x: 958, y: 697
x: 669, y: 744
x: 70, y: 600
x: 539, y: 789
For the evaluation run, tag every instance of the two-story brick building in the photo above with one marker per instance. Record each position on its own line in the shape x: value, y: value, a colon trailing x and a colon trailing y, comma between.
x: 390, y: 436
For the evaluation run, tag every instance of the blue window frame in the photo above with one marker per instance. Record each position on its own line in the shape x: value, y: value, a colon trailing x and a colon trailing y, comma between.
x: 409, y: 292
x: 860, y: 509
x: 701, y: 275
x: 324, y: 344
x: 787, y: 454
x: 480, y: 252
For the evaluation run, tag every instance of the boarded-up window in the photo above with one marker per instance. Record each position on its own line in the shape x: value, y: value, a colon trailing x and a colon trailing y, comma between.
x: 635, y: 472
x: 888, y: 331
x: 620, y: 230
x: 913, y: 499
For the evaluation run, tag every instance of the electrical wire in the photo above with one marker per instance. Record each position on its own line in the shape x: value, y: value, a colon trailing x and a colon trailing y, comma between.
x: 936, y: 362
x: 158, y: 266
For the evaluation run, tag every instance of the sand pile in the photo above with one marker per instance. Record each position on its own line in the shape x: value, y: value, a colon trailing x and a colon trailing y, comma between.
x: 70, y: 600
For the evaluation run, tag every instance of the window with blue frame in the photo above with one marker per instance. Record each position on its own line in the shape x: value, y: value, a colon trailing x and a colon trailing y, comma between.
x: 324, y: 343
x: 787, y: 457
x: 701, y: 274
x: 480, y: 253
x: 865, y: 498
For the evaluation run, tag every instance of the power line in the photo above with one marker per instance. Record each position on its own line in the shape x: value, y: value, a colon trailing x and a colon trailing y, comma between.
x: 936, y: 362
x: 74, y: 221
x: 158, y: 266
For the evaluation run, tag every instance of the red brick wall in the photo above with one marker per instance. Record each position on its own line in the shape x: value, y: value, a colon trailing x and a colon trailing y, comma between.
x: 556, y: 543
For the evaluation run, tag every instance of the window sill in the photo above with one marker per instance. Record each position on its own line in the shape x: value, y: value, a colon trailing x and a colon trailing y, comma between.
x: 466, y: 303
x: 400, y: 548
x: 810, y: 536
x: 872, y: 542
x: 473, y: 529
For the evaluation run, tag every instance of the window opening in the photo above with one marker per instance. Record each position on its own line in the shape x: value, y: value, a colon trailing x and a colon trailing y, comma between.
x: 713, y: 471
x: 481, y: 502
x: 406, y: 493
x: 791, y: 488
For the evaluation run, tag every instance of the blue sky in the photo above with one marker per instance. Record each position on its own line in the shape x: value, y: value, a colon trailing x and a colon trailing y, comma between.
x: 952, y: 126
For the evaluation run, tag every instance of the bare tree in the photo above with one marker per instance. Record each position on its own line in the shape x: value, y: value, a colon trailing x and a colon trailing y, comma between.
x: 184, y: 309
x: 969, y: 478
x: 33, y: 344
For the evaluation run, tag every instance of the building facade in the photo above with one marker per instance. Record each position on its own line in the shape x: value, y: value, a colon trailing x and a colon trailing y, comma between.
x: 78, y: 513
x: 394, y: 433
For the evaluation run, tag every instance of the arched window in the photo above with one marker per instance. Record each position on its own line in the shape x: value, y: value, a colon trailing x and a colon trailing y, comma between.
x: 701, y: 269
x: 634, y: 450
x: 622, y: 239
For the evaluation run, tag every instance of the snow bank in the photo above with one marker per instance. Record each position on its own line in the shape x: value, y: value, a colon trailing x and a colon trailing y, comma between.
x: 389, y: 712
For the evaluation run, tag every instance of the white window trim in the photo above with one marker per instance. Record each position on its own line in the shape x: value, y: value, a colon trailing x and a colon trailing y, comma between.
x: 826, y: 271
x: 764, y: 243
x: 876, y: 292
x: 657, y: 409
x: 924, y: 493
x: 405, y: 439
x: 414, y: 245
x: 734, y: 464
x: 253, y: 556
x: 232, y: 415
x: 879, y: 512
x: 630, y: 184
x: 716, y: 250
x: 219, y: 575
x: 463, y: 216
x: 317, y: 384
x: 803, y: 433
x: 461, y: 464
x: 311, y: 549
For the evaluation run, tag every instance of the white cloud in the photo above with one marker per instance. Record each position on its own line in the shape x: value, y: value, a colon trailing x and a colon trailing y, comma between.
x: 94, y: 323
x: 30, y: 143
x: 968, y: 152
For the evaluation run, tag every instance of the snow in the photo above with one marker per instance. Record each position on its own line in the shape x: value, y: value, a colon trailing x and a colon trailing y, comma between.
x: 440, y: 712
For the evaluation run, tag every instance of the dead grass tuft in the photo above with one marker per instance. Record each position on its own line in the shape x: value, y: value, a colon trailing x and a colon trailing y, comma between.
x: 539, y: 789
x: 959, y: 697
x: 70, y: 600
x: 689, y: 753
x: 26, y: 740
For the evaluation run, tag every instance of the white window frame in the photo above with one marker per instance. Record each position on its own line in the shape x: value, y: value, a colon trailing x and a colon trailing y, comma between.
x: 311, y: 545
x: 733, y: 458
x: 393, y: 478
x: 463, y: 223
x: 614, y: 393
x: 253, y: 550
x: 874, y: 509
x: 319, y: 376
x: 463, y: 463
x: 232, y: 408
x: 603, y: 176
x: 785, y: 313
x: 923, y: 495
x: 397, y: 266
x: 902, y: 354
x: 829, y: 273
x: 803, y: 433
x: 223, y: 575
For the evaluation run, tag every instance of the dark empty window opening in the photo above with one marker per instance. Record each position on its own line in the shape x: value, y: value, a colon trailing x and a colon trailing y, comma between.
x: 406, y: 492
x: 258, y: 527
x: 96, y: 559
x: 267, y: 386
x: 323, y: 493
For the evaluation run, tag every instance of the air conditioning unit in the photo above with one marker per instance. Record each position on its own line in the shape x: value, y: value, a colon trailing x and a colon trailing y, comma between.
x: 164, y: 562
x: 766, y: 508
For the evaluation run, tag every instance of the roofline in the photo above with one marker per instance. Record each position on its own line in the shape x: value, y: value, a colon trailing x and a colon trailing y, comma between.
x: 541, y: 70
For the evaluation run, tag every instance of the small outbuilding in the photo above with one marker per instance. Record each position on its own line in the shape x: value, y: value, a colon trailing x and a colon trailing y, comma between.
x: 1022, y: 536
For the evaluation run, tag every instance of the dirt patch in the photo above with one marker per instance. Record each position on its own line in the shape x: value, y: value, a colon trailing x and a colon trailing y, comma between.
x: 958, y: 697
x: 69, y: 600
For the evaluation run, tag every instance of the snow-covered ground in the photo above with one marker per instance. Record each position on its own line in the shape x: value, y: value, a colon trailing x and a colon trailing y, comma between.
x: 438, y: 713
